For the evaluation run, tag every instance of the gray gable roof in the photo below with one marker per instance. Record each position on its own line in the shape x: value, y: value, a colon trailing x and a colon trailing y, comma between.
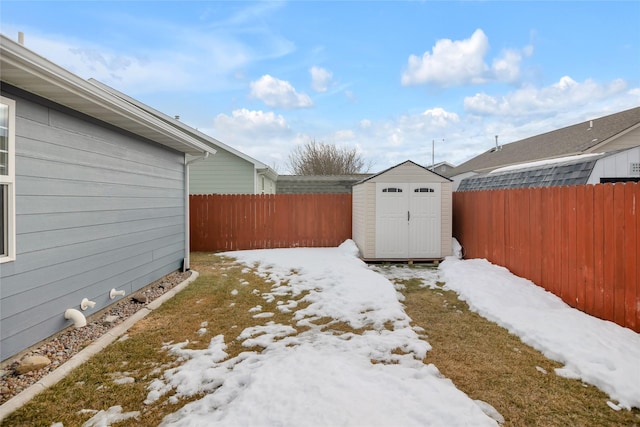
x: 575, y: 139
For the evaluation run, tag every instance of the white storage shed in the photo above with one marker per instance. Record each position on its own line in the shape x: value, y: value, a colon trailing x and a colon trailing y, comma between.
x: 403, y: 213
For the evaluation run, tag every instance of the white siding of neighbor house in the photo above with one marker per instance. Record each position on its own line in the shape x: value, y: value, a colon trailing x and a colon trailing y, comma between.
x: 222, y: 173
x: 364, y: 206
x: 265, y: 185
x: 617, y: 165
x: 95, y: 209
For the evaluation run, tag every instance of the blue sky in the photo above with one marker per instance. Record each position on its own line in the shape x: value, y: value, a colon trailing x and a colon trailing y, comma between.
x: 387, y: 78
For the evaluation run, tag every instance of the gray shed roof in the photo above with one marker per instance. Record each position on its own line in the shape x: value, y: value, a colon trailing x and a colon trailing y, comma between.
x: 576, y: 139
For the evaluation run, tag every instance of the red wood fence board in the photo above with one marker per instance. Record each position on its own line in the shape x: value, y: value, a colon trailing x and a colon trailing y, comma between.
x: 619, y: 270
x: 630, y: 262
x: 584, y: 246
x: 608, y: 257
x: 536, y: 226
x: 559, y: 257
x: 571, y: 213
x: 598, y: 251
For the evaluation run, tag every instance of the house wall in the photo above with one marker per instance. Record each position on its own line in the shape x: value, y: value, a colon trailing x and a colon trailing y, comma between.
x: 95, y: 209
x: 364, y: 198
x: 265, y: 185
x: 222, y: 173
x: 615, y: 166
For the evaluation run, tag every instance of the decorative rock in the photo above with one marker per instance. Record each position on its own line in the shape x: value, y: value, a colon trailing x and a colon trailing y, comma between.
x: 110, y: 319
x: 32, y: 363
x: 140, y: 298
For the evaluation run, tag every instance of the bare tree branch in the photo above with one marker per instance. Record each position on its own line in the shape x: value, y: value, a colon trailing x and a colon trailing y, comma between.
x: 317, y: 158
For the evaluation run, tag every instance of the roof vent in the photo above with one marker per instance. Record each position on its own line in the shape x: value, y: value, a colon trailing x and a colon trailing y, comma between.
x: 590, y: 124
x: 634, y: 169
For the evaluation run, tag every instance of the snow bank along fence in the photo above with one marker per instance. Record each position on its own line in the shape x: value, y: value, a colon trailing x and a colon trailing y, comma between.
x: 581, y: 243
x: 220, y: 222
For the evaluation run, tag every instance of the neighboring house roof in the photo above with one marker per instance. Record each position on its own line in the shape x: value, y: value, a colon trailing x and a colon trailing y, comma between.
x: 437, y: 165
x: 260, y: 167
x: 573, y: 170
x: 584, y: 137
x: 305, y: 184
x: 400, y: 164
x: 33, y: 73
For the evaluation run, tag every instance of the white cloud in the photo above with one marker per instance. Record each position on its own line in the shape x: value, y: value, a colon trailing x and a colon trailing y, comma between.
x: 462, y: 62
x: 450, y: 63
x: 251, y: 123
x: 563, y: 95
x: 344, y: 135
x: 320, y: 79
x: 278, y: 93
x: 440, y: 117
x: 507, y: 67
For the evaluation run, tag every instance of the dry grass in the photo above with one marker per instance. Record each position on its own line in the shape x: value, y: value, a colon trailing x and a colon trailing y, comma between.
x: 488, y: 363
x: 481, y: 359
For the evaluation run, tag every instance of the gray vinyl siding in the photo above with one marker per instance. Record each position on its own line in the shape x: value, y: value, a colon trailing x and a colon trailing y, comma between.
x: 95, y: 209
x: 222, y: 173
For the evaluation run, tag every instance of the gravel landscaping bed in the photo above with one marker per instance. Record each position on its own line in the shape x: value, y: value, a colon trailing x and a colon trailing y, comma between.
x: 69, y: 342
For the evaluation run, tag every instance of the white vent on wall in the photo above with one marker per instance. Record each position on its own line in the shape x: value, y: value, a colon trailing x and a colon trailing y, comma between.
x: 634, y: 168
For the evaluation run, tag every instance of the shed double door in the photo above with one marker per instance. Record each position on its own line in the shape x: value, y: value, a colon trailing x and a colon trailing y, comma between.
x: 408, y: 220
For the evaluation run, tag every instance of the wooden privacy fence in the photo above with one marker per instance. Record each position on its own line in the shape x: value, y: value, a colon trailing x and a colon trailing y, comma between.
x: 581, y: 243
x: 235, y: 222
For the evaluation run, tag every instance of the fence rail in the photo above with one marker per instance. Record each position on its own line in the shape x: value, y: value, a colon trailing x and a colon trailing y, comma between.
x: 236, y: 222
x: 581, y: 243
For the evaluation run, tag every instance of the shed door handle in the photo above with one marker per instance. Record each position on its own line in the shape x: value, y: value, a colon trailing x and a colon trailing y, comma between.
x: 408, y: 216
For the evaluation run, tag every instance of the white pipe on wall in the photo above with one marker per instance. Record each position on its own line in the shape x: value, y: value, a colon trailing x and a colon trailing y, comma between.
x: 78, y: 318
x: 114, y: 293
x: 85, y: 303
